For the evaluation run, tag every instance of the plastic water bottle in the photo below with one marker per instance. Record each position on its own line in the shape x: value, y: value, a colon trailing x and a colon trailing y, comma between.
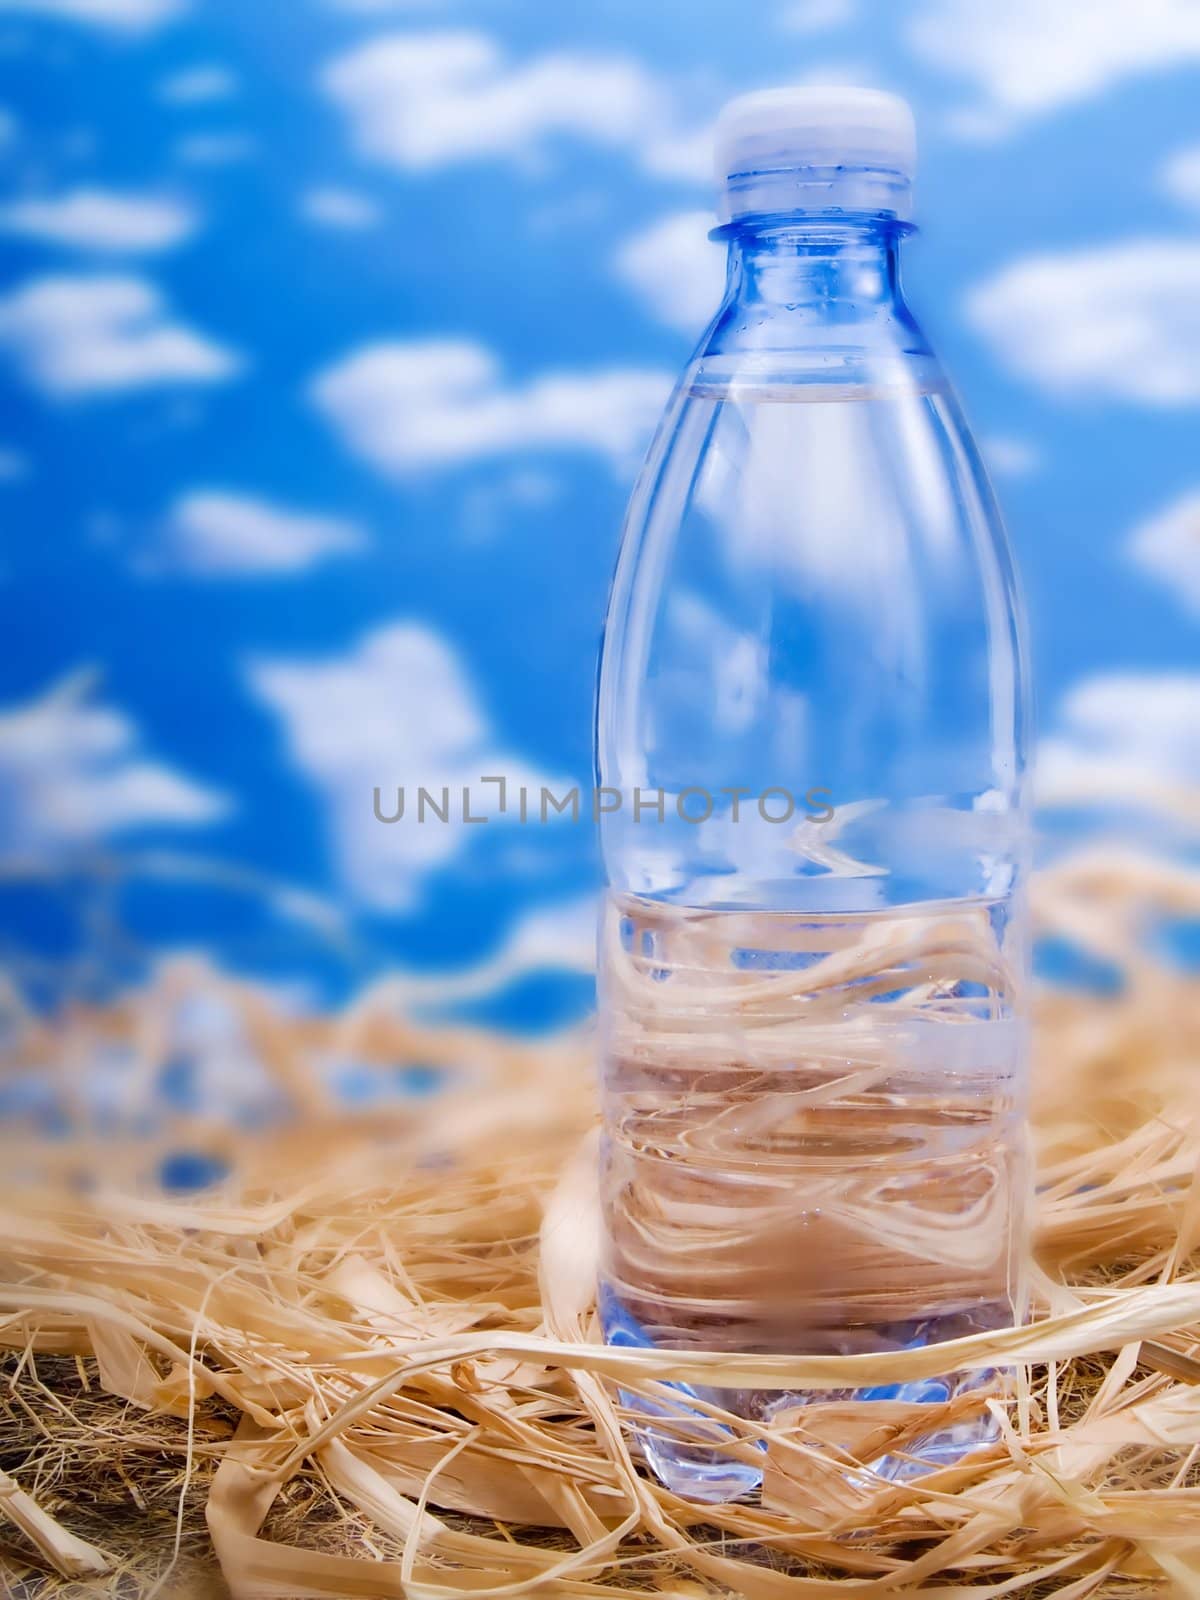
x: 812, y: 727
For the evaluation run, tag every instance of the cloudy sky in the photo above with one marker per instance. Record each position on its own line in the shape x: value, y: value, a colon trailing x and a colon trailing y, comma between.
x: 331, y: 332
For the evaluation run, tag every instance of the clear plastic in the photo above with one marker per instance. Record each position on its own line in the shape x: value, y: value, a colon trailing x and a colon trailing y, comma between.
x: 811, y: 732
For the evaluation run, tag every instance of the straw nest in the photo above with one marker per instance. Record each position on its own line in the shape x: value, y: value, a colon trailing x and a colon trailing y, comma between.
x: 366, y: 1365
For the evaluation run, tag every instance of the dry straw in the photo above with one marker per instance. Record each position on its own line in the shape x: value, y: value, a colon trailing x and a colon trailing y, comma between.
x: 371, y: 1359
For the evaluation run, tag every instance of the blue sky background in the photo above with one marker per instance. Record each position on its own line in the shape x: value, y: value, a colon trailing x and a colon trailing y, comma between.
x: 330, y: 333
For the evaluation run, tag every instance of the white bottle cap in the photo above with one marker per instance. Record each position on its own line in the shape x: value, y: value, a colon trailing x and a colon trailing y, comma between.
x: 816, y: 149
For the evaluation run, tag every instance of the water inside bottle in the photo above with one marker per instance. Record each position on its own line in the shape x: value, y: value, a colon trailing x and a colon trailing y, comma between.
x: 815, y: 1143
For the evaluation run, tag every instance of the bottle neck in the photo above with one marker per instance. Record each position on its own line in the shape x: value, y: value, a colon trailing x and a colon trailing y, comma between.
x: 806, y: 290
x: 827, y: 267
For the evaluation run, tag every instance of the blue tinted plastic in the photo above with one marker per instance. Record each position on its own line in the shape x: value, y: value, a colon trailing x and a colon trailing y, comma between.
x: 814, y: 955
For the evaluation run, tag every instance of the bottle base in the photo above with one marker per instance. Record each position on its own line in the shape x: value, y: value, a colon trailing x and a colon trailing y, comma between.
x: 713, y: 1475
x: 701, y: 1459
x: 693, y: 1472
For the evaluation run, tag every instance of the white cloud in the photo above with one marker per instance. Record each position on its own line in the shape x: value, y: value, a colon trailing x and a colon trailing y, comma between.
x: 77, y: 336
x: 122, y: 16
x: 420, y: 101
x: 1167, y: 547
x: 214, y: 533
x: 1028, y: 57
x: 683, y: 154
x: 102, y: 220
x: 1119, y: 322
x: 405, y: 407
x: 397, y: 710
x: 1180, y: 177
x: 486, y: 505
x: 215, y: 149
x: 73, y: 772
x: 675, y: 269
x: 817, y: 16
x: 196, y: 86
x: 1126, y: 738
x: 344, y: 209
x: 1010, y: 457
x: 560, y: 937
